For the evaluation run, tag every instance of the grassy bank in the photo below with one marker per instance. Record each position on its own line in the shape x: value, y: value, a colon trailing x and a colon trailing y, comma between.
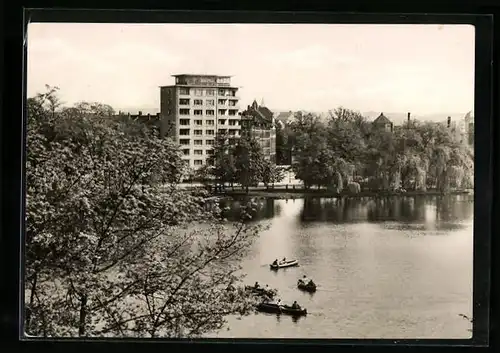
x: 296, y: 193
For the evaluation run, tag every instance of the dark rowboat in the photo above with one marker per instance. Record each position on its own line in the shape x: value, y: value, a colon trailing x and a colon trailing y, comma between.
x: 280, y: 309
x: 286, y: 309
x: 306, y: 287
x: 289, y: 263
x: 261, y: 291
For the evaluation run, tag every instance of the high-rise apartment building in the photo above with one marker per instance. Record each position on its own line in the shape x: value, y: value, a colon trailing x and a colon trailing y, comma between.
x: 195, y: 109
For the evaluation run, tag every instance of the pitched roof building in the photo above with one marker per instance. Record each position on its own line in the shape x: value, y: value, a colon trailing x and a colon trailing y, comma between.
x: 258, y: 121
x: 285, y: 117
x: 382, y: 122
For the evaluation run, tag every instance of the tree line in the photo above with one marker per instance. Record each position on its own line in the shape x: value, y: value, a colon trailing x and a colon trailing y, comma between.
x: 240, y: 161
x: 347, y: 151
x: 110, y: 247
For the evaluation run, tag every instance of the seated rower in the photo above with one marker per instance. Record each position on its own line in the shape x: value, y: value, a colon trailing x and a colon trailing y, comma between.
x: 256, y: 285
x: 304, y: 279
x: 284, y: 259
x: 311, y: 283
x: 295, y: 305
x: 278, y: 302
x: 275, y: 262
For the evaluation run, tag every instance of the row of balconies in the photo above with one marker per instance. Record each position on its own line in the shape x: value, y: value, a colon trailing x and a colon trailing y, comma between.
x: 209, y: 122
x: 207, y: 113
x: 230, y: 132
x: 210, y: 106
x: 188, y: 135
x: 209, y: 96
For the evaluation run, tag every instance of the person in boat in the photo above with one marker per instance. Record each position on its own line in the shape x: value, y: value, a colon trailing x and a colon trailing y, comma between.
x: 256, y: 285
x: 303, y: 279
x: 284, y: 260
x: 275, y: 263
x: 311, y: 283
x: 295, y: 305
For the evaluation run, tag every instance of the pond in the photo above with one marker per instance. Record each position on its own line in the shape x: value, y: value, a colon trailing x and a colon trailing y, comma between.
x: 397, y: 267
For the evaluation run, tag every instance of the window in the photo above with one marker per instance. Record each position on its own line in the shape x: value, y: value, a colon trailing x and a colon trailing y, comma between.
x: 198, y: 92
x: 232, y: 122
x: 221, y: 101
x: 198, y: 142
x: 210, y: 132
x: 232, y: 132
x: 184, y: 101
x: 210, y: 152
x: 184, y: 141
x: 184, y: 91
x: 198, y: 112
x: 185, y: 152
x: 210, y: 112
x: 210, y: 102
x: 198, y: 122
x: 198, y: 102
x: 184, y: 121
x: 222, y: 121
x: 222, y: 111
x: 198, y: 152
x: 210, y: 142
x: 210, y: 92
x: 198, y: 162
x: 232, y: 112
x: 184, y: 111
x: 222, y: 131
x: 221, y: 92
x: 232, y: 103
x: 210, y: 122
x: 198, y: 132
x: 184, y: 132
x: 231, y: 93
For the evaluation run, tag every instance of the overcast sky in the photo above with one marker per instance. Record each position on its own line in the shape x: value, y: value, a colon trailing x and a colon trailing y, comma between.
x: 425, y: 69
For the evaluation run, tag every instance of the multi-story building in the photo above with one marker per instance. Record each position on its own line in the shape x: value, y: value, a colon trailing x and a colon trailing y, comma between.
x: 195, y: 109
x: 258, y: 122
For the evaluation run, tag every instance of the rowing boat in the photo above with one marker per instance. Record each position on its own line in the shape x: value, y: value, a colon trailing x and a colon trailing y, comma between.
x: 284, y: 264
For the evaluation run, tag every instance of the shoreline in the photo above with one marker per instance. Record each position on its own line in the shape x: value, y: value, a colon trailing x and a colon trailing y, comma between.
x: 281, y: 194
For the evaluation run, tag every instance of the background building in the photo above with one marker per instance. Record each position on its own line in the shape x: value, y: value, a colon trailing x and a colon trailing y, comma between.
x: 258, y: 122
x: 469, y: 128
x: 284, y: 118
x: 195, y: 109
x: 383, y: 123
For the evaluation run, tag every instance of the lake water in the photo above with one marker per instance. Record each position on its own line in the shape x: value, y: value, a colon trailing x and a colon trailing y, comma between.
x: 398, y: 267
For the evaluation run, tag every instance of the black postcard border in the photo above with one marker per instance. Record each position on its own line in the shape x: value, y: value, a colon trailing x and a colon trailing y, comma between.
x: 13, y: 132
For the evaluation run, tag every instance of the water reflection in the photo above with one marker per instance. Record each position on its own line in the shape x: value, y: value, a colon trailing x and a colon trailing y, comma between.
x: 264, y: 208
x: 437, y: 212
x: 397, y: 267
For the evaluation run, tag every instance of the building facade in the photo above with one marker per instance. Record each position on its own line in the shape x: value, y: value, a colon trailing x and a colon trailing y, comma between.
x: 284, y: 118
x: 195, y: 109
x: 258, y: 122
x: 469, y: 128
x: 383, y: 123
